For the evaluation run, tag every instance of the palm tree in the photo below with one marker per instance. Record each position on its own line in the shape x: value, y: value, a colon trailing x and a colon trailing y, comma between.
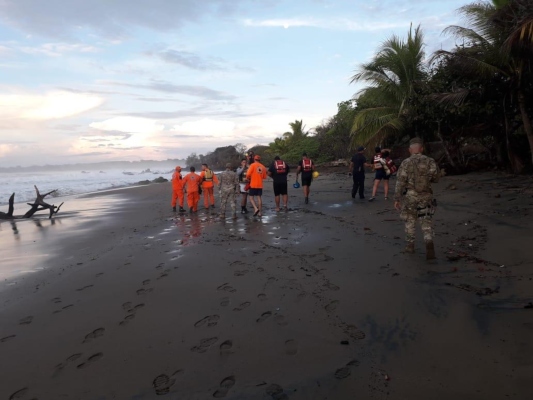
x: 498, y: 42
x: 392, y: 75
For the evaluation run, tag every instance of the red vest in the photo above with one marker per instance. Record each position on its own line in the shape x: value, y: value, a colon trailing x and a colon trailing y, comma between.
x: 281, y: 167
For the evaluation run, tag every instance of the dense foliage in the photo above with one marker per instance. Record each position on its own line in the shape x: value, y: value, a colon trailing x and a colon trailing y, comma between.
x: 474, y: 102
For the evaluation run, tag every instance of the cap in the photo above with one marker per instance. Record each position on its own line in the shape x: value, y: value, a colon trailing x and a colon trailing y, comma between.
x: 257, y: 157
x: 360, y: 148
x: 416, y: 140
x: 228, y: 165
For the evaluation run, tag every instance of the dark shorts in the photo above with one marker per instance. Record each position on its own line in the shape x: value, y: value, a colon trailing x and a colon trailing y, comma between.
x: 280, y: 188
x: 306, y: 180
x: 255, y: 192
x: 380, y: 174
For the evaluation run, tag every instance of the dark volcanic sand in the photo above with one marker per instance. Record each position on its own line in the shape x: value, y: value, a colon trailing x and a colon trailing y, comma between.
x: 316, y: 303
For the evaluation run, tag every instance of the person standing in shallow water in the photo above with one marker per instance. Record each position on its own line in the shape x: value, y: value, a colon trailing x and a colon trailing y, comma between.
x: 414, y: 196
x: 278, y: 171
x: 357, y: 169
x: 192, y: 182
x: 306, y: 168
x: 241, y: 172
x: 228, y: 189
x: 256, y: 174
x: 177, y: 189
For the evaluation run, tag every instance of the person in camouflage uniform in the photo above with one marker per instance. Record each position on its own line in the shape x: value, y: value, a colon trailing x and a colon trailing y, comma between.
x: 414, y: 196
x: 228, y: 188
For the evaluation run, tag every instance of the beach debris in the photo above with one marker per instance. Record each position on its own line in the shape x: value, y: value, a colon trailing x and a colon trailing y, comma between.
x: 529, y: 305
x: 38, y: 205
x: 345, y: 342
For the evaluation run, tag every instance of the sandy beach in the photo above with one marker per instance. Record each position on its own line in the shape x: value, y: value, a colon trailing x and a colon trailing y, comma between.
x: 120, y: 298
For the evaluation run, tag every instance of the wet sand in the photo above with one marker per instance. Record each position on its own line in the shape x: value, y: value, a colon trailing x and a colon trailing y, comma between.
x: 316, y: 303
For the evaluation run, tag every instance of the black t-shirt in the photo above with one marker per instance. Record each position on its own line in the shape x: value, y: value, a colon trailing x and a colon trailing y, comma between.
x: 277, y: 177
x: 359, y: 161
x: 305, y: 174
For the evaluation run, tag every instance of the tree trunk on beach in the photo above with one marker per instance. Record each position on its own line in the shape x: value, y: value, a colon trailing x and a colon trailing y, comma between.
x: 38, y: 205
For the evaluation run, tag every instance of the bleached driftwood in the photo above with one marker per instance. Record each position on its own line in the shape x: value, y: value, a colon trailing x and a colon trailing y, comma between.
x: 38, y: 205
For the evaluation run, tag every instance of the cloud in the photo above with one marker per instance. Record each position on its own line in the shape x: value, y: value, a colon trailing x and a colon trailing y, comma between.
x: 128, y: 125
x: 110, y: 19
x: 206, y: 127
x: 343, y: 24
x: 59, y: 49
x: 52, y: 105
x: 189, y: 60
x: 167, y: 87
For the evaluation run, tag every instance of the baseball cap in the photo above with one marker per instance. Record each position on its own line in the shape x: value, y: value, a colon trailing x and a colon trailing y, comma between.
x: 360, y: 148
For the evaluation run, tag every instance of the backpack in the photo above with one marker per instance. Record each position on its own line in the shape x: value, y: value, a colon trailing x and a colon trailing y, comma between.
x: 208, y: 175
x: 307, y: 165
x: 390, y: 164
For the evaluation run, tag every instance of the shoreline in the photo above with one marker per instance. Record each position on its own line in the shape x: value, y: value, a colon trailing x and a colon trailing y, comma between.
x: 314, y: 303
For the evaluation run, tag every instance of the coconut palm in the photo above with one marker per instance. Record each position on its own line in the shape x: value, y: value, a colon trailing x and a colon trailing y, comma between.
x: 392, y: 74
x: 498, y: 42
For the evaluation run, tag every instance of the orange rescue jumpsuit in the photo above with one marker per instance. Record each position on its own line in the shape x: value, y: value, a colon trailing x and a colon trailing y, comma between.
x: 191, y: 182
x: 208, y: 180
x: 177, y: 188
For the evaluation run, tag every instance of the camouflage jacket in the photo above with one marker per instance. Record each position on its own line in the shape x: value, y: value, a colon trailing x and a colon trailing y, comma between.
x: 229, y: 180
x: 414, y: 177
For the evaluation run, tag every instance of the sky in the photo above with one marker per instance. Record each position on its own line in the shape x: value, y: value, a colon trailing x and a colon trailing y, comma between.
x: 100, y: 80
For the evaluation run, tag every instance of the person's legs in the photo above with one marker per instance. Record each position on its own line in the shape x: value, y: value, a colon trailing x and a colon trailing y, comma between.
x: 410, y: 226
x: 174, y: 198
x: 223, y: 200
x: 426, y: 224
x: 252, y: 201
x: 211, y: 193
x: 362, y: 187
x: 180, y: 198
x: 276, y: 195
x: 285, y: 201
x: 386, y: 188
x: 355, y: 186
x: 205, y: 192
x: 190, y: 201
x: 260, y: 204
x: 232, y: 198
x: 244, y: 200
x: 196, y: 197
x: 276, y: 200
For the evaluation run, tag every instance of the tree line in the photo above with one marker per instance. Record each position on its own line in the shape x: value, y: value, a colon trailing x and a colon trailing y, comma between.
x: 473, y: 103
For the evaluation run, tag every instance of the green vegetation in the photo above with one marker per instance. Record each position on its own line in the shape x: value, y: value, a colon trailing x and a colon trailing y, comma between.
x: 474, y: 103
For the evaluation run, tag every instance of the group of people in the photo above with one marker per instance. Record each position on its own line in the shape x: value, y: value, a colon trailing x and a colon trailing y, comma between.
x: 246, y: 180
x: 413, y: 196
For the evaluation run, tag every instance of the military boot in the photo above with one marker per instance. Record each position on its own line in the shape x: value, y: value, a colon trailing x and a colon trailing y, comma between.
x: 430, y: 251
x: 410, y: 248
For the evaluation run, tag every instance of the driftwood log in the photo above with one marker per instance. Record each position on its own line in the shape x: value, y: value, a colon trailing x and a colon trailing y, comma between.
x: 38, y: 205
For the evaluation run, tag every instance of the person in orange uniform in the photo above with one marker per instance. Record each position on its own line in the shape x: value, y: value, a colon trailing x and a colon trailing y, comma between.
x: 191, y: 182
x: 209, y: 179
x: 256, y: 173
x: 177, y: 189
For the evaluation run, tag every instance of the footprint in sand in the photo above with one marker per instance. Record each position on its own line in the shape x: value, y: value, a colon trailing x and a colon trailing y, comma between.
x: 59, y: 367
x: 84, y: 287
x: 26, y: 320
x: 90, y: 360
x: 225, y: 386
x: 204, y: 345
x: 19, y: 394
x: 56, y: 300
x: 346, y: 371
x: 210, y: 320
x: 264, y: 316
x: 291, y: 347
x: 241, y: 273
x: 262, y: 297
x: 280, y: 320
x: 354, y: 332
x: 224, y: 302
x: 301, y: 296
x: 146, y: 282
x: 126, y: 319
x: 226, y: 346
x: 276, y: 392
x: 331, y: 286
x: 162, y: 383
x: 332, y: 306
x: 5, y: 339
x: 93, y: 335
x: 226, y: 288
x: 242, y: 306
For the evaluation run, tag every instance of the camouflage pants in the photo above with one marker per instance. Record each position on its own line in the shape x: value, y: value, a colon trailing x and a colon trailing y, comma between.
x: 225, y: 196
x: 418, y: 209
